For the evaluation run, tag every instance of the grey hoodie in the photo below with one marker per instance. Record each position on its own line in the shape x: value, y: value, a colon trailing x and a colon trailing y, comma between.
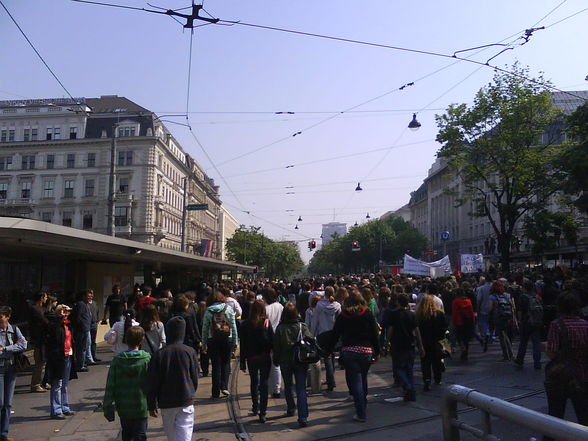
x: 323, y: 318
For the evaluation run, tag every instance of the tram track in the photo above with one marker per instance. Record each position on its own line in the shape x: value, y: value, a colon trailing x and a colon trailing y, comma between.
x: 241, y: 433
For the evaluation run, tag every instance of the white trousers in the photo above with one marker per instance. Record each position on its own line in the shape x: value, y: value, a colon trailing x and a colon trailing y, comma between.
x: 178, y: 423
x: 275, y: 379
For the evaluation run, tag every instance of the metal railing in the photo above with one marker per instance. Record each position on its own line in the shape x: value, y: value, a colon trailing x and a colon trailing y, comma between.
x: 490, y: 406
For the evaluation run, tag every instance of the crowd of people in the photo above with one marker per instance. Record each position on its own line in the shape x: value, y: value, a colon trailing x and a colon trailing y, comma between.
x: 162, y: 343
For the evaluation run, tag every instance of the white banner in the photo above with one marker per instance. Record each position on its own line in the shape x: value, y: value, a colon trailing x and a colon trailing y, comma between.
x: 472, y: 263
x: 439, y: 268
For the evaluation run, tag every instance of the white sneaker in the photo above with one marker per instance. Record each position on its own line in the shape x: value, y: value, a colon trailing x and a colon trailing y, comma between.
x: 225, y: 393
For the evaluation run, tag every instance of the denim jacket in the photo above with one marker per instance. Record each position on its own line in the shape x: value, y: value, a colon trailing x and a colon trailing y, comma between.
x: 13, y: 341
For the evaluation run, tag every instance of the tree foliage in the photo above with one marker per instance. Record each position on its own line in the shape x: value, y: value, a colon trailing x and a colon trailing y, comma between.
x: 497, y: 149
x: 393, y: 236
x: 274, y: 259
x: 546, y: 229
x: 574, y: 159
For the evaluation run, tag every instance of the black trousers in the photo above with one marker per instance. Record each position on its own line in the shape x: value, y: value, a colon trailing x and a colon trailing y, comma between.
x: 134, y: 429
x: 556, y: 404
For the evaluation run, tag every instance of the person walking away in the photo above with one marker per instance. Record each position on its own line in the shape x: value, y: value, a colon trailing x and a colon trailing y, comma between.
x: 184, y: 309
x: 143, y: 301
x: 502, y: 311
x: 432, y: 327
x: 285, y: 337
x: 462, y: 315
x: 59, y: 361
x: 93, y: 326
x: 219, y: 335
x: 125, y: 388
x: 164, y: 305
x: 314, y: 369
x: 326, y: 312
x: 154, y: 338
x: 11, y: 341
x: 531, y: 321
x: 256, y: 340
x: 358, y: 330
x: 114, y: 307
x: 115, y: 336
x: 204, y: 360
x: 567, y: 343
x: 403, y: 334
x: 38, y: 331
x: 483, y: 310
x: 273, y: 311
x: 172, y: 381
x: 81, y: 319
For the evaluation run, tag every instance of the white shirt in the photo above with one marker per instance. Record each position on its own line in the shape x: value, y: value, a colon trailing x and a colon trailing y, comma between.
x: 114, y: 336
x: 274, y: 313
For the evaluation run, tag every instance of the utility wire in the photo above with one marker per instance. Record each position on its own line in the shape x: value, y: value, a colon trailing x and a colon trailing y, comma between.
x: 39, y: 55
x: 333, y: 158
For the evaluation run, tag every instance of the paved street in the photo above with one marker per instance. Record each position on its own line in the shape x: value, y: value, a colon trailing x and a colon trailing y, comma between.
x: 330, y: 413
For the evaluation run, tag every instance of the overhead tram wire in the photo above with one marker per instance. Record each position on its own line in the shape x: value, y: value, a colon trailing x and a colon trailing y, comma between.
x: 317, y: 161
x: 74, y: 102
x: 405, y: 49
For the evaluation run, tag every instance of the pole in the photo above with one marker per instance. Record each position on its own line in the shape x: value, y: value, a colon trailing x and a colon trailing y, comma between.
x: 111, y: 184
x: 184, y: 215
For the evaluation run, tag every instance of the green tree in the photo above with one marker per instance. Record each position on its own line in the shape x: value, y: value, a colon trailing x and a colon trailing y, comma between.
x: 277, y: 259
x: 574, y: 159
x: 494, y: 147
x: 546, y: 229
x: 385, y: 240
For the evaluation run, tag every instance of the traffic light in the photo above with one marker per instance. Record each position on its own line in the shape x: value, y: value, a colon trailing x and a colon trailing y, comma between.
x: 254, y: 270
x: 312, y: 245
x: 355, y: 246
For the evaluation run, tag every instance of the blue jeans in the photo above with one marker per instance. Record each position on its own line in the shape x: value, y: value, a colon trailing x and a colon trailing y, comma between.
x: 7, y: 382
x: 299, y: 372
x: 484, y: 326
x: 133, y: 429
x: 403, y: 366
x: 58, y: 394
x: 533, y: 333
x: 356, y: 369
x: 330, y: 371
x: 259, y: 370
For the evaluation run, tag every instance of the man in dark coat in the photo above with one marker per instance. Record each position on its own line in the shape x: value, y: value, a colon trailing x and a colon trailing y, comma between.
x: 38, y: 331
x: 172, y: 381
x: 81, y: 321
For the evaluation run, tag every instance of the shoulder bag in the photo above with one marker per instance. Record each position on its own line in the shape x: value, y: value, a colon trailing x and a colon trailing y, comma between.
x: 21, y: 361
x: 305, y: 350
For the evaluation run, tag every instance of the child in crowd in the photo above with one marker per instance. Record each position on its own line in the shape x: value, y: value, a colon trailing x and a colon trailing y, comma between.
x: 125, y: 387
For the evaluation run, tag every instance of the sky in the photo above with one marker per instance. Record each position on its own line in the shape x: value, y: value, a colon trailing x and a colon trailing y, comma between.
x: 350, y: 109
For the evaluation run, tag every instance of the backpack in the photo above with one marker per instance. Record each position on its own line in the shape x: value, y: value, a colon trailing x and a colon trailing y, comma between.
x: 220, y: 328
x: 535, y: 313
x: 504, y: 308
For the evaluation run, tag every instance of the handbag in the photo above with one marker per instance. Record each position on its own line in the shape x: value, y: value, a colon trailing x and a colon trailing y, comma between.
x: 21, y: 361
x: 305, y: 350
x: 445, y: 348
x: 561, y: 373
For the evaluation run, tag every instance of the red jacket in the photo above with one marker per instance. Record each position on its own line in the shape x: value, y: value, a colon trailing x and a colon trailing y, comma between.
x: 461, y: 308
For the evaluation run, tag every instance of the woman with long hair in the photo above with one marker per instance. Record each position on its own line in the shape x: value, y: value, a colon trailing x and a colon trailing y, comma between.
x: 285, y: 337
x: 256, y: 338
x: 502, y: 311
x: 115, y: 336
x: 358, y: 330
x: 154, y: 338
x: 432, y: 327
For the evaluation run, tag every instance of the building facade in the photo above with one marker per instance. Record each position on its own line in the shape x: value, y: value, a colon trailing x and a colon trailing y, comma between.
x: 332, y: 230
x: 105, y: 165
x: 452, y: 229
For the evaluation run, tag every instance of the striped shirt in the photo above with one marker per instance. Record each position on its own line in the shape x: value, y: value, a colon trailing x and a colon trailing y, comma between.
x: 577, y: 330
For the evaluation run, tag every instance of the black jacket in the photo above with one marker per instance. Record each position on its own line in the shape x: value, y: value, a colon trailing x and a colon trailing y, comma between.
x: 81, y: 317
x: 193, y: 336
x: 357, y: 329
x: 255, y: 341
x: 55, y: 349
